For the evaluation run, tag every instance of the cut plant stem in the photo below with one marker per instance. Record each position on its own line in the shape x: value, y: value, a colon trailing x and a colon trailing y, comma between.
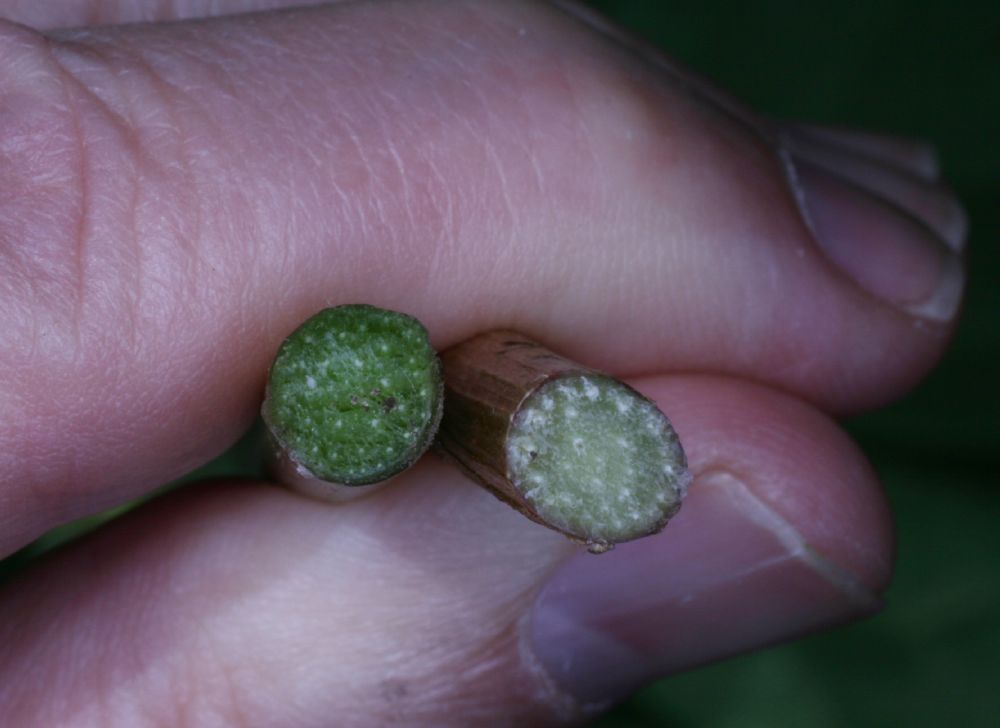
x: 571, y: 448
x: 353, y: 397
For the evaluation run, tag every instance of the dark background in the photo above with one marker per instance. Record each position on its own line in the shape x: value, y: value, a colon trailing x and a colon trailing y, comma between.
x: 932, y: 658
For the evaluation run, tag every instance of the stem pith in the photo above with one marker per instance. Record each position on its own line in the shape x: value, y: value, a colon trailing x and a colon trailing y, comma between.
x: 571, y: 448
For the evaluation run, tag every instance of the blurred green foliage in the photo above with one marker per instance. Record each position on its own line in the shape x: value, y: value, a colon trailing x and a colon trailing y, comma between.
x: 931, y: 69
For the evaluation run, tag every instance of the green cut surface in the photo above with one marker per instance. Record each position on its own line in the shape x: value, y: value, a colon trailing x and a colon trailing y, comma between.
x: 354, y: 394
x: 596, y: 459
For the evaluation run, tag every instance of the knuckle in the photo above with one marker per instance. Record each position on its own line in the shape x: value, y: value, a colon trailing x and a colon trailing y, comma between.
x: 62, y: 159
x: 39, y: 173
x: 69, y: 264
x: 40, y: 214
x: 586, y: 94
x: 91, y: 235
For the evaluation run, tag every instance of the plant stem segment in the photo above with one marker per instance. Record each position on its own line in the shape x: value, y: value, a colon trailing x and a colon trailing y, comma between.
x: 353, y: 397
x: 571, y: 448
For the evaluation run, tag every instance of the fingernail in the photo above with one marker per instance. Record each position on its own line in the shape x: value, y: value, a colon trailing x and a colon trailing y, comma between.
x: 916, y: 156
x: 932, y: 203
x: 885, y: 251
x: 727, y: 575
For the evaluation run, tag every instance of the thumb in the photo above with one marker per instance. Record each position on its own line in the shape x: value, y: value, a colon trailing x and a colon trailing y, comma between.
x: 431, y: 603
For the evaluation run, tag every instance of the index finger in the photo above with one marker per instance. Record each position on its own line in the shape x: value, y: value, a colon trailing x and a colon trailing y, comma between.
x: 180, y: 197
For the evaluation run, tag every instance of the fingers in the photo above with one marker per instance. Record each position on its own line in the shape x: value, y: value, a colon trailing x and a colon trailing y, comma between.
x: 432, y: 603
x: 184, y: 195
x: 889, y: 254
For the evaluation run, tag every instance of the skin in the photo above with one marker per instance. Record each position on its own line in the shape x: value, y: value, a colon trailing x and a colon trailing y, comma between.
x: 177, y: 198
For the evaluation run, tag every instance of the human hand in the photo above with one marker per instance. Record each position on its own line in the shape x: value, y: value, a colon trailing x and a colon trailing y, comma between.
x: 176, y: 198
